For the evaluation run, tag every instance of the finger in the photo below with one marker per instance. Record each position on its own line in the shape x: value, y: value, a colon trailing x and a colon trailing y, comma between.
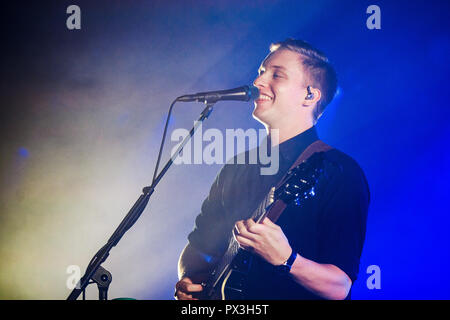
x: 191, y: 287
x: 252, y: 226
x: 244, y: 232
x: 258, y: 229
x: 249, y: 222
x: 186, y: 285
x: 179, y: 295
x: 245, y: 243
x: 269, y: 223
x: 194, y: 288
x: 238, y: 226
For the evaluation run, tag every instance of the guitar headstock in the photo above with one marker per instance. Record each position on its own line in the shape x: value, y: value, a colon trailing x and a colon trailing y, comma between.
x: 301, y: 181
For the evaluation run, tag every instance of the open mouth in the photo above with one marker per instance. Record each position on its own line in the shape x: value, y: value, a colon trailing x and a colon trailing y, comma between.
x: 264, y: 97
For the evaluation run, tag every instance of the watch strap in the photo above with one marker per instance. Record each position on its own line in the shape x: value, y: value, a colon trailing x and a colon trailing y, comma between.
x: 290, y: 261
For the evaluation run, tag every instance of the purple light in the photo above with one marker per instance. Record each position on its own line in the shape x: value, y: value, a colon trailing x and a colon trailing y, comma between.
x: 23, y: 152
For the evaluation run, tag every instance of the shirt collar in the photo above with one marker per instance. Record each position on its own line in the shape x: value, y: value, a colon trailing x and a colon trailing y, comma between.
x: 292, y: 148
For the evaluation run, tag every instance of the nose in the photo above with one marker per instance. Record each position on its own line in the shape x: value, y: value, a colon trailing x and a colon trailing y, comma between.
x: 259, y: 81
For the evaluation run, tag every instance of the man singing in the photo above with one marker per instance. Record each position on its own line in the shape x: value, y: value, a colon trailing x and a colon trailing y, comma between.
x: 313, y: 250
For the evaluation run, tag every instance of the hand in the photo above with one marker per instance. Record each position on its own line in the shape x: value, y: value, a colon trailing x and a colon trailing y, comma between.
x: 184, y: 289
x: 265, y: 239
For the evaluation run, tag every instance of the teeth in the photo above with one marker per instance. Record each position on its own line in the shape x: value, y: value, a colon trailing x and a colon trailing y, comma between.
x: 264, y: 97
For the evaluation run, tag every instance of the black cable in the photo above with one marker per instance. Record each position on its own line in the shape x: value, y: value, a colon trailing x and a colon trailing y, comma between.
x: 163, y: 139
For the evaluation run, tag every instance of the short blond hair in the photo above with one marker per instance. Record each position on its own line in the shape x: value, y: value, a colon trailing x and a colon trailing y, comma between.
x: 320, y: 72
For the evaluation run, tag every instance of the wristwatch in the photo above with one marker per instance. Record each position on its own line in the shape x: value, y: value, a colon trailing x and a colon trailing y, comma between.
x: 285, y: 268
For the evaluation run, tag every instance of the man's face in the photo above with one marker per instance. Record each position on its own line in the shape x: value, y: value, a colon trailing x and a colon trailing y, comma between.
x: 281, y: 83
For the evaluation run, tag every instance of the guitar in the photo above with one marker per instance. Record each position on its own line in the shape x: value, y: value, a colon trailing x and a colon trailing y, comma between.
x: 227, y: 280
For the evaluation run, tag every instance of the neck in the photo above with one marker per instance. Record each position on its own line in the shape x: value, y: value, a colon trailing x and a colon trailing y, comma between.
x: 286, y: 132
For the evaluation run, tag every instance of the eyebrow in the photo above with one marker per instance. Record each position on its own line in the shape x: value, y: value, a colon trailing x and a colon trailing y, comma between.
x: 278, y: 67
x: 274, y: 67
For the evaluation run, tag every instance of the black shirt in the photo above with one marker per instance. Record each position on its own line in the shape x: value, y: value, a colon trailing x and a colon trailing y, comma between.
x: 328, y: 228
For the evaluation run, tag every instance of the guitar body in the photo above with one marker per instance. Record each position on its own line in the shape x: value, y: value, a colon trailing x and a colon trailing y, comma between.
x: 228, y: 280
x: 230, y: 283
x: 233, y: 286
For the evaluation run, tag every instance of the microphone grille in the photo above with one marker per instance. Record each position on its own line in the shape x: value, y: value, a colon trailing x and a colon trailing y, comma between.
x: 253, y: 92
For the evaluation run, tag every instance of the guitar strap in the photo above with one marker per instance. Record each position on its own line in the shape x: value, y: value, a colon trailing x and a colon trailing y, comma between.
x: 278, y: 206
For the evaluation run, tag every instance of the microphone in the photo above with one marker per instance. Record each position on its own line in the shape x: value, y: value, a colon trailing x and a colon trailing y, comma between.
x: 244, y: 93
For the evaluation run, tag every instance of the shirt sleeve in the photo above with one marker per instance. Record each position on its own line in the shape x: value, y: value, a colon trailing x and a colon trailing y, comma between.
x: 211, y: 229
x: 342, y: 224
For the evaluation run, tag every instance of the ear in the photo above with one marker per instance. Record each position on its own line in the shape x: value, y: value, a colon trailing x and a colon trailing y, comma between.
x: 312, y: 99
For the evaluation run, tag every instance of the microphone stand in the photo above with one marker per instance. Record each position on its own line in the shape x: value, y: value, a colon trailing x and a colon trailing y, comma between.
x: 94, y: 271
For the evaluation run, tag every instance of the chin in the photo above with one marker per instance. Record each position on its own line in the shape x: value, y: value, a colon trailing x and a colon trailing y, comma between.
x: 259, y: 116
